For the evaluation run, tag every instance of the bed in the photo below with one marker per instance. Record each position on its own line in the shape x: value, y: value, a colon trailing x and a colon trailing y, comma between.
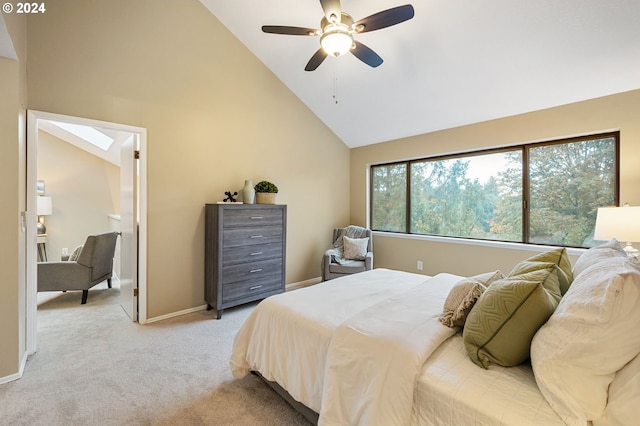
x: 370, y: 349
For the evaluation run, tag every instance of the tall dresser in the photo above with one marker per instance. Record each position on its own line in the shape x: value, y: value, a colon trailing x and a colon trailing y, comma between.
x: 245, y: 247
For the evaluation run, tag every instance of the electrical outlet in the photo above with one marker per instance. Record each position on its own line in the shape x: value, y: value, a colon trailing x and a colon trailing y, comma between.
x: 65, y: 250
x: 419, y: 265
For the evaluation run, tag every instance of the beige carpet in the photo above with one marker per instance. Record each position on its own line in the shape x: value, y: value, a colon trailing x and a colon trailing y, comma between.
x: 95, y: 367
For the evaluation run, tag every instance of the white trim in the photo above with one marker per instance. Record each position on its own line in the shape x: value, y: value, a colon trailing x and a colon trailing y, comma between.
x: 17, y: 375
x: 31, y: 292
x: 288, y: 287
x: 482, y: 243
x: 303, y: 284
x: 142, y: 229
x: 176, y: 314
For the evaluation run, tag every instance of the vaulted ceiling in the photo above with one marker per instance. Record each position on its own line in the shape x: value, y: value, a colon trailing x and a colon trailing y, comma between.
x: 456, y: 62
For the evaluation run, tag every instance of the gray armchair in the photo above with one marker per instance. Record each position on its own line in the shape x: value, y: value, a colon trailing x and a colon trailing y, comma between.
x: 334, y: 267
x: 93, y: 266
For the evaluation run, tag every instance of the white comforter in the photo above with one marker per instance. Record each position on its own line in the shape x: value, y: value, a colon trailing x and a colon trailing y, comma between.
x: 304, y: 340
x: 376, y: 357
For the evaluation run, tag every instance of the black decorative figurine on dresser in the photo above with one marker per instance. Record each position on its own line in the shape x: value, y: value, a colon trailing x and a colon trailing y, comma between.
x: 245, y: 250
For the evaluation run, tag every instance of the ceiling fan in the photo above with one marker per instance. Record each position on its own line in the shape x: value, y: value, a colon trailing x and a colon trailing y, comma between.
x: 337, y: 31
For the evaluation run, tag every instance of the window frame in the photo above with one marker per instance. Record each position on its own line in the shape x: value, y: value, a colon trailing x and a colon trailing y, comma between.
x: 526, y: 194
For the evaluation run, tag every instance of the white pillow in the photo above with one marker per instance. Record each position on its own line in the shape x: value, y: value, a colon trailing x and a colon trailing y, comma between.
x: 354, y: 248
x: 597, y: 254
x: 624, y: 397
x: 591, y: 335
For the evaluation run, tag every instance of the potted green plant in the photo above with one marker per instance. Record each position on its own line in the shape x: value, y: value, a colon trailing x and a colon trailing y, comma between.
x: 266, y: 192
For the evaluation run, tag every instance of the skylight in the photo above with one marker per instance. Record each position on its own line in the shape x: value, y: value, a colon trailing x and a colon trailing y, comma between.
x: 87, y: 133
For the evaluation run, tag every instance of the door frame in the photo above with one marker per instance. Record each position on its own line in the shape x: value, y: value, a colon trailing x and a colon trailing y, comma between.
x: 33, y: 117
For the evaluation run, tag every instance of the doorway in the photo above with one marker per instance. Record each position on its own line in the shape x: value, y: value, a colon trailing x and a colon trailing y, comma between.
x: 132, y: 150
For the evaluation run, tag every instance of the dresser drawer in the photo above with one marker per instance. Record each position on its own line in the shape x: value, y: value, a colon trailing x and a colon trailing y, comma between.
x: 252, y: 271
x: 244, y: 280
x: 236, y: 237
x: 253, y: 217
x: 241, y: 290
x: 251, y: 253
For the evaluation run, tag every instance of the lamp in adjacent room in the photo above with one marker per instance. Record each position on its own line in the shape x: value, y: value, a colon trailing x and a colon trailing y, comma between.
x: 45, y: 208
x: 621, y: 223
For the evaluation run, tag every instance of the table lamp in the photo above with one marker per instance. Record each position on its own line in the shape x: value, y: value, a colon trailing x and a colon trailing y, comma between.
x: 621, y: 223
x: 45, y: 208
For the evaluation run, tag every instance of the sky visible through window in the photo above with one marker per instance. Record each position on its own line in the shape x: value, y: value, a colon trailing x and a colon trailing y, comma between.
x: 482, y: 167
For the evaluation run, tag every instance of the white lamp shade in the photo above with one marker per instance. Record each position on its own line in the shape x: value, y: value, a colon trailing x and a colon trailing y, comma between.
x: 336, y: 42
x: 621, y: 223
x: 45, y: 206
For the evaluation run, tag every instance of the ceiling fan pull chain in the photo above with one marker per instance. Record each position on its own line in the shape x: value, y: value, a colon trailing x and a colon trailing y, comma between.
x: 335, y: 87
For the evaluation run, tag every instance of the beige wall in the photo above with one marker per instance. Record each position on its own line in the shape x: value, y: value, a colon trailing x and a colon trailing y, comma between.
x: 215, y: 116
x: 612, y: 112
x: 12, y: 193
x: 84, y: 190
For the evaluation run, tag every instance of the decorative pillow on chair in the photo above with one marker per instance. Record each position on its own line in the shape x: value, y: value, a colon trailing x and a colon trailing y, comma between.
x: 502, y: 323
x: 592, y: 335
x: 354, y: 248
x: 463, y: 296
x: 75, y: 254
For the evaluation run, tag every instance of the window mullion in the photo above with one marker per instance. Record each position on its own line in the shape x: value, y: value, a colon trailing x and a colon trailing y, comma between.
x: 526, y: 199
x: 407, y: 228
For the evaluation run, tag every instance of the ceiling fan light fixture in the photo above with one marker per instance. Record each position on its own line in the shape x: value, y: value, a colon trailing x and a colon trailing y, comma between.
x: 337, y: 31
x: 336, y: 41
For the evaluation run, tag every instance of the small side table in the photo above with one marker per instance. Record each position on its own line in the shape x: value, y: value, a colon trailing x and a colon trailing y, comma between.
x: 42, y: 247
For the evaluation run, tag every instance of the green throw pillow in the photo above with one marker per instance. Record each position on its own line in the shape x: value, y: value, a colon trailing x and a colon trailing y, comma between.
x: 559, y: 257
x: 502, y: 323
x: 527, y: 266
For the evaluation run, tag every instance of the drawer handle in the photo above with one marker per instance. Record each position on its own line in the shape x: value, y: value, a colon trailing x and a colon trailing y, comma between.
x: 255, y: 270
x: 255, y: 287
x: 258, y: 253
x: 255, y: 236
x: 257, y: 217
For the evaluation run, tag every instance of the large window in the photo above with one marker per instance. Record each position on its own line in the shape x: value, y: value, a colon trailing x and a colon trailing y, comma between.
x: 545, y: 193
x: 389, y: 197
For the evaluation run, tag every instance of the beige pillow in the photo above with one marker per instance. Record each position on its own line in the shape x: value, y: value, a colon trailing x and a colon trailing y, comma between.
x: 505, y: 318
x: 354, y: 248
x: 591, y: 335
x: 463, y: 296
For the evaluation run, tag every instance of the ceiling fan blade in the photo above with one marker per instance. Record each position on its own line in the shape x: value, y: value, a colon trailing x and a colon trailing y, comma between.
x: 385, y: 19
x: 316, y: 60
x: 280, y: 29
x: 331, y: 7
x: 366, y: 55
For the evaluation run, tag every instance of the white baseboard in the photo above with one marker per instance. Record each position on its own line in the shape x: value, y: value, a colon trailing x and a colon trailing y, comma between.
x: 176, y: 314
x: 288, y: 287
x: 302, y: 284
x: 17, y: 375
